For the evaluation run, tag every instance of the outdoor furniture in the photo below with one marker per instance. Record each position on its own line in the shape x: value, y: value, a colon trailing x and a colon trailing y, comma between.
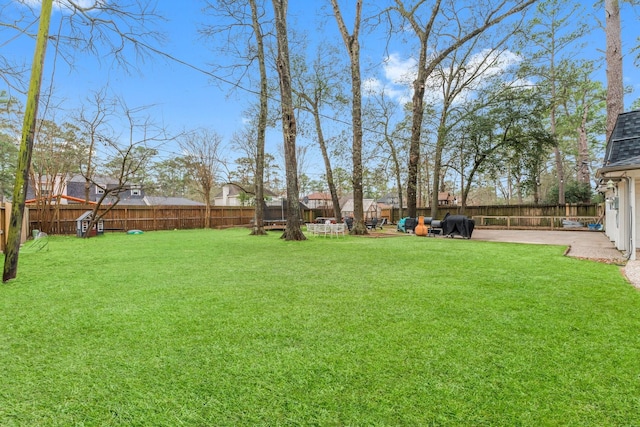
x: 311, y: 228
x: 408, y: 224
x: 325, y: 219
x: 349, y: 221
x: 326, y: 229
x: 372, y: 224
x: 323, y: 229
x: 338, y: 229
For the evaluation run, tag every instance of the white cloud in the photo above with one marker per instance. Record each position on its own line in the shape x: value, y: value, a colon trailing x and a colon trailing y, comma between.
x: 372, y: 86
x: 398, y: 71
x: 490, y: 63
x: 399, y: 75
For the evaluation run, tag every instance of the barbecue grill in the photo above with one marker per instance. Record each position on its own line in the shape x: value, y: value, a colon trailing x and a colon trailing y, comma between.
x: 450, y: 226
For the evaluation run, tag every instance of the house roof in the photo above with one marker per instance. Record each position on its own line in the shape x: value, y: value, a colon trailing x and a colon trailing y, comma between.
x: 367, y: 205
x: 623, y: 147
x: 170, y: 201
x: 236, y: 190
x: 101, y: 179
x: 445, y: 195
x: 319, y: 196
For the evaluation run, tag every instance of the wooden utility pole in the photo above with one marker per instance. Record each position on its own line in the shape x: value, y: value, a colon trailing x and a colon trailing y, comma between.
x: 26, y: 146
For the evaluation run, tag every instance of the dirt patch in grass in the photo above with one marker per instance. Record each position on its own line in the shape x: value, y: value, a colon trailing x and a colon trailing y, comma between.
x: 390, y: 232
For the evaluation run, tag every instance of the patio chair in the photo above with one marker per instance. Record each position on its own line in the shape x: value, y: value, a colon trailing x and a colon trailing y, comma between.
x: 349, y: 221
x: 337, y: 229
x: 323, y: 229
x: 373, y: 224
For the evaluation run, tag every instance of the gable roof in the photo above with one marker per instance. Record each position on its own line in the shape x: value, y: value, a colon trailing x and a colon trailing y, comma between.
x: 623, y: 147
x: 368, y: 205
x: 170, y: 201
x: 318, y: 196
x: 235, y: 190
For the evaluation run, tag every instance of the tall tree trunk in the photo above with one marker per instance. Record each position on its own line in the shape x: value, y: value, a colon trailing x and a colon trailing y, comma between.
x: 292, y: 230
x: 417, y: 111
x: 556, y: 148
x: 315, y: 110
x: 397, y: 174
x: 352, y: 44
x: 584, y: 175
x: 560, y: 173
x: 426, y: 67
x: 437, y: 164
x: 615, y: 87
x: 12, y: 249
x: 258, y: 226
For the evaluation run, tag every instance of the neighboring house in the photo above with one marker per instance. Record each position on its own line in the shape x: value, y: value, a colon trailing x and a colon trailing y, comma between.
x: 318, y: 201
x: 170, y: 201
x: 620, y: 183
x: 234, y: 195
x: 446, y: 199
x: 73, y: 191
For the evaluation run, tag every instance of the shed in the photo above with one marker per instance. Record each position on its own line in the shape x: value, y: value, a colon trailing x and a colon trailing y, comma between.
x: 82, y: 224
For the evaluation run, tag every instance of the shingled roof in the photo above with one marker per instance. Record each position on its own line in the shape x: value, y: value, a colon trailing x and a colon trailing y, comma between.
x: 623, y: 147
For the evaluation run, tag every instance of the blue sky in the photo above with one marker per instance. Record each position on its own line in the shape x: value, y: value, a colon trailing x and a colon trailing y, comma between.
x: 183, y: 98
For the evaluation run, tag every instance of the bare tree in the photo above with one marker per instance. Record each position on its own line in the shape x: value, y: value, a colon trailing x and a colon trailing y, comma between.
x: 467, y: 69
x: 115, y: 26
x: 124, y: 160
x: 93, y: 120
x: 316, y: 88
x: 16, y: 22
x: 352, y: 44
x: 241, y: 24
x: 289, y: 130
x: 56, y: 155
x: 433, y: 31
x: 202, y: 154
x: 258, y: 226
x: 380, y: 115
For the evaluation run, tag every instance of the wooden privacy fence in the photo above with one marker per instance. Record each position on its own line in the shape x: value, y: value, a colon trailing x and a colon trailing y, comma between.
x: 5, y: 216
x: 62, y: 219
x: 534, y: 216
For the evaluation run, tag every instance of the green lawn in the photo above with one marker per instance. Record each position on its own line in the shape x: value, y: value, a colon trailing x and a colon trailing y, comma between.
x: 219, y: 328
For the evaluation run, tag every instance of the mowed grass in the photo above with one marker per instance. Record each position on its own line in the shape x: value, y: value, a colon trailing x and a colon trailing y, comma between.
x: 219, y: 328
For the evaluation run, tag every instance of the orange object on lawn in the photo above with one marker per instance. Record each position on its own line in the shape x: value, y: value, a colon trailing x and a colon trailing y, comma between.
x: 421, y: 229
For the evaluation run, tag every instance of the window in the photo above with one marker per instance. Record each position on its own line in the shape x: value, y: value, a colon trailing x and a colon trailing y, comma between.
x: 99, y: 190
x: 136, y: 190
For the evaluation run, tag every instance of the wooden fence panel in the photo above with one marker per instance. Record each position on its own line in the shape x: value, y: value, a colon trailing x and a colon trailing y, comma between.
x: 151, y: 218
x: 568, y: 211
x: 148, y: 218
